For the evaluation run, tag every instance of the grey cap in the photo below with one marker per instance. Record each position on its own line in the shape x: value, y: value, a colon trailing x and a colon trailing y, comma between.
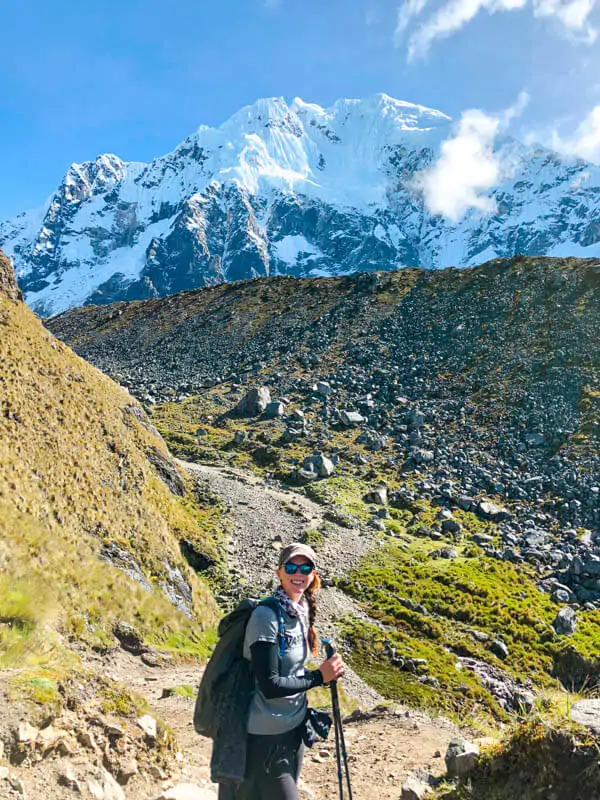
x: 297, y: 550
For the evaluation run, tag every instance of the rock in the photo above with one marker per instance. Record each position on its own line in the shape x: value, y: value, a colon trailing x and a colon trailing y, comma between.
x: 105, y: 787
x: 148, y: 724
x: 466, y: 503
x: 127, y: 769
x: 414, y: 789
x: 320, y: 464
x: 448, y: 552
x: 27, y: 733
x: 129, y: 638
x: 461, y: 757
x: 534, y: 439
x: 587, y: 713
x: 482, y: 539
x: 187, y: 791
x: 324, y: 388
x: 167, y: 471
x: 561, y: 596
x: 378, y: 496
x: 420, y: 456
x: 351, y: 418
x: 275, y: 409
x: 68, y: 778
x: 451, y: 526
x: 490, y: 510
x: 565, y: 622
x: 253, y: 402
x: 240, y: 437
x: 499, y: 649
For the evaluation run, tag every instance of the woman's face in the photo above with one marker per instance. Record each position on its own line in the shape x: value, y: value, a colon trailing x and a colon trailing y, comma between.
x: 295, y: 585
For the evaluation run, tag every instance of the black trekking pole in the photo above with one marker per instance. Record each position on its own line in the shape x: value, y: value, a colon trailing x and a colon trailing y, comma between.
x: 340, y: 743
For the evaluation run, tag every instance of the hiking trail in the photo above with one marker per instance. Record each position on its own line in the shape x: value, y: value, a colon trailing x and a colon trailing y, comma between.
x: 385, y: 743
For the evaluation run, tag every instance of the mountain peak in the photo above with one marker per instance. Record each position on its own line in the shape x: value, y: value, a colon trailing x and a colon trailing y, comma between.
x: 287, y: 187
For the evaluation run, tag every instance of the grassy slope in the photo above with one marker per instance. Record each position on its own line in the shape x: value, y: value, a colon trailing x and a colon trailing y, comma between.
x: 73, y: 477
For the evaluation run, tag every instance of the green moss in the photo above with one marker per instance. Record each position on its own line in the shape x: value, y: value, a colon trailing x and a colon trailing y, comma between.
x: 438, y: 609
x: 343, y: 493
x: 313, y: 537
x: 185, y: 690
x: 120, y: 701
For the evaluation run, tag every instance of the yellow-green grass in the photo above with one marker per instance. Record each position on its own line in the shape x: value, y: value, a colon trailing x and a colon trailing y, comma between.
x: 73, y: 477
x: 462, y: 596
x: 532, y: 760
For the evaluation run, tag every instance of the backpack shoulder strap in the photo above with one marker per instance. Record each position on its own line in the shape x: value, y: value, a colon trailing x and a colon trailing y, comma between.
x: 272, y: 603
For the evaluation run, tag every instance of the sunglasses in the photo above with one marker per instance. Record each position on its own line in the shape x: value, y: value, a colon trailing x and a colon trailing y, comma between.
x: 292, y: 569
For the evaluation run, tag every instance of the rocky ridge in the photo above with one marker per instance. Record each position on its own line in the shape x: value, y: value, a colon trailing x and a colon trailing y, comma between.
x: 485, y: 381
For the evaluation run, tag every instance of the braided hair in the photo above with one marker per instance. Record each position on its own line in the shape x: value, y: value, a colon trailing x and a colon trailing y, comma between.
x: 310, y: 595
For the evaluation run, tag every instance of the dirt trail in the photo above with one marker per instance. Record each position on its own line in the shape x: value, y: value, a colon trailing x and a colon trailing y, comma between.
x: 264, y: 519
x: 384, y: 746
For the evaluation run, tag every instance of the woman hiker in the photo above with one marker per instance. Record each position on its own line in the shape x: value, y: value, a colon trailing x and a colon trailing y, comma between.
x: 278, y: 708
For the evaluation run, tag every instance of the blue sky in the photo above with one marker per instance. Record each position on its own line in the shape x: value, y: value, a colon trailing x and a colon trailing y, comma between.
x: 135, y: 78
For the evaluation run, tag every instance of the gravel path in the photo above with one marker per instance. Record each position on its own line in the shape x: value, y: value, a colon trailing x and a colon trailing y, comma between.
x: 263, y: 520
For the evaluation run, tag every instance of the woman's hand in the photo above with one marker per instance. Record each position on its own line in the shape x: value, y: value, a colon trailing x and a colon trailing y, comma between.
x: 332, y: 669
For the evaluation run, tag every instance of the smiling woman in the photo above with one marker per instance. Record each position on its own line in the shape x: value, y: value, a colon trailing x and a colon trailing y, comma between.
x: 278, y: 646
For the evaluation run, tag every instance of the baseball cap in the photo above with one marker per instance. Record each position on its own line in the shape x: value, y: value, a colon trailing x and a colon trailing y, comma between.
x: 297, y: 549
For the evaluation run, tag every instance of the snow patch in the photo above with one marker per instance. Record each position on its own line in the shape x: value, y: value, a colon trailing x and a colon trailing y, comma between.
x: 292, y: 249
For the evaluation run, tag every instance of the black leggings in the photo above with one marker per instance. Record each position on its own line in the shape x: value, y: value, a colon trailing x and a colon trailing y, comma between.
x: 273, y: 766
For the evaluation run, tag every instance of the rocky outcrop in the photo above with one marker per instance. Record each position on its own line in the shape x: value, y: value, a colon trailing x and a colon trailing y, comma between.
x: 8, y: 282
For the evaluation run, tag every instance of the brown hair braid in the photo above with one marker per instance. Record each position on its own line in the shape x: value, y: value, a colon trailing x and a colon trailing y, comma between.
x: 313, y: 639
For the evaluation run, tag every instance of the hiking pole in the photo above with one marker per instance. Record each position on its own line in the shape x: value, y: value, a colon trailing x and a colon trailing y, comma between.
x: 340, y: 742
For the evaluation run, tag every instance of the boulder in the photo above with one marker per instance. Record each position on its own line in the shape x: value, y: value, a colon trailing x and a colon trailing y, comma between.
x: 148, y: 724
x: 320, y: 464
x: 351, y: 418
x: 324, y: 388
x: 414, y: 789
x: 451, y: 526
x: 240, y: 437
x: 254, y: 402
x: 499, y: 649
x: 378, y: 496
x: 105, y: 787
x: 587, y: 713
x: 566, y: 621
x: 461, y: 757
x: 490, y: 510
x: 275, y: 409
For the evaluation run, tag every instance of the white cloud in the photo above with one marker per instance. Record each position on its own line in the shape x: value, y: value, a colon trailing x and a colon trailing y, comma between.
x: 407, y: 11
x: 468, y: 167
x: 573, y: 14
x: 585, y: 142
x: 453, y: 15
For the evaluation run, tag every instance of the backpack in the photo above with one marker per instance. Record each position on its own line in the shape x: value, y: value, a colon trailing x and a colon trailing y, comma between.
x: 228, y: 682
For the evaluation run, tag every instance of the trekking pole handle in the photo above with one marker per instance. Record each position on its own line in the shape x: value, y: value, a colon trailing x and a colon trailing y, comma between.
x: 329, y: 648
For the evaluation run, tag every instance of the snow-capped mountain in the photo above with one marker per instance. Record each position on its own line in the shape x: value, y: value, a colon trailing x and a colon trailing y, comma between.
x: 287, y: 189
